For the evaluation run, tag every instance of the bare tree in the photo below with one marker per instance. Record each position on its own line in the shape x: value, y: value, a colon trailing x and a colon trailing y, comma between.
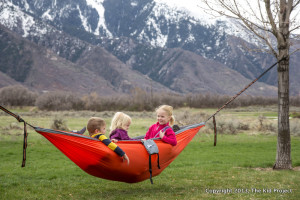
x: 272, y: 22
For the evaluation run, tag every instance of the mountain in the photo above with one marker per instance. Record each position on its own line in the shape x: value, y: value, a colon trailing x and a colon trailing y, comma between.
x: 146, y: 43
x: 40, y: 69
x: 6, y: 80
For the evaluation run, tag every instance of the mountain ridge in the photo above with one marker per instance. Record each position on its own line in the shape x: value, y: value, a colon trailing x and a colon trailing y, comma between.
x: 135, y: 55
x: 48, y: 71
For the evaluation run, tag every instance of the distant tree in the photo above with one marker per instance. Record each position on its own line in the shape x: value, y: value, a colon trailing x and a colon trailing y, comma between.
x: 17, y: 95
x: 273, y: 23
x: 59, y: 100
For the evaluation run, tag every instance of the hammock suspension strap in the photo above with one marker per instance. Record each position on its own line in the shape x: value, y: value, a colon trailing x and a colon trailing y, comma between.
x: 243, y: 90
x: 25, y: 132
x: 238, y: 94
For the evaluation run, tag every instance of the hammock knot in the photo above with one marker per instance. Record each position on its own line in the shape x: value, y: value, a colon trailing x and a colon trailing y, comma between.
x: 19, y: 119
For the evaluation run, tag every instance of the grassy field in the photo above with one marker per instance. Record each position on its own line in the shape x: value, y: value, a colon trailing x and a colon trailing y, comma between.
x: 239, y: 167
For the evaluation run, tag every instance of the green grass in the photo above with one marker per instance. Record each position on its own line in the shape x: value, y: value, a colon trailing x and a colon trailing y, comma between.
x: 239, y: 164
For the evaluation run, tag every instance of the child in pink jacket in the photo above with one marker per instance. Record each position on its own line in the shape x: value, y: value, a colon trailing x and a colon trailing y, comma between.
x: 162, y: 129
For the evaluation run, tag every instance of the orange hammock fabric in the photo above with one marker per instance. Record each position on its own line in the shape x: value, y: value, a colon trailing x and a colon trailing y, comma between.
x: 95, y: 158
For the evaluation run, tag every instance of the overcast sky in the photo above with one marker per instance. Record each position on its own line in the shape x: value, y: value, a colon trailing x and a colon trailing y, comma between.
x: 194, y: 6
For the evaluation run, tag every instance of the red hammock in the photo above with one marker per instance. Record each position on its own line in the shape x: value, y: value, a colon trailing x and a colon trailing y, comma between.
x: 95, y: 158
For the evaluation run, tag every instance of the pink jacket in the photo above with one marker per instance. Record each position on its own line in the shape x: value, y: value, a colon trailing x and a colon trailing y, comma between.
x: 169, y: 133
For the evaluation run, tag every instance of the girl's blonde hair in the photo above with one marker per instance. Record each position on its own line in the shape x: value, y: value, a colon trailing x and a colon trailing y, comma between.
x: 119, y: 120
x: 169, y: 110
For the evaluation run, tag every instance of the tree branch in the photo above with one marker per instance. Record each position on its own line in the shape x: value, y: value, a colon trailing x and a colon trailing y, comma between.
x: 294, y: 51
x: 296, y: 4
x: 295, y: 28
x: 234, y: 13
x: 271, y: 18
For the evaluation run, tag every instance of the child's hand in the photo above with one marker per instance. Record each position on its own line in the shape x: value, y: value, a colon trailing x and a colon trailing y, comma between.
x: 161, y: 134
x: 143, y: 139
x: 114, y: 140
x: 125, y: 157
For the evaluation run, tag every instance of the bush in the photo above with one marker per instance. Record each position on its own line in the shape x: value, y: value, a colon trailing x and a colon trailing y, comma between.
x: 295, y: 128
x: 138, y: 100
x: 17, y: 95
x: 58, y: 101
x: 226, y: 126
x: 295, y: 101
x: 242, y: 126
x: 185, y: 117
x: 92, y: 102
x: 295, y: 115
x: 265, y: 126
x: 59, y: 124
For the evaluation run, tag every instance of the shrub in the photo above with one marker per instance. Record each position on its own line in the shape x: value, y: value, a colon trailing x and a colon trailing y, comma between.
x: 59, y: 124
x: 264, y: 125
x: 295, y: 115
x: 295, y: 128
x: 185, y: 117
x: 141, y: 100
x: 226, y: 126
x: 295, y: 101
x: 214, y: 100
x: 92, y: 102
x: 59, y: 101
x: 137, y: 100
x: 17, y: 95
x: 242, y: 126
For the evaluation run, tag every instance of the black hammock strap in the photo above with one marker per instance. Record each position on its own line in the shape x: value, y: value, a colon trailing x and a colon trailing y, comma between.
x: 245, y: 88
x: 25, y: 132
x: 238, y: 94
x: 12, y: 114
x: 150, y: 166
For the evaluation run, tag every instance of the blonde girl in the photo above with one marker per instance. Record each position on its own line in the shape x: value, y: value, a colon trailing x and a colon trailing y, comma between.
x: 120, y: 124
x: 162, y: 128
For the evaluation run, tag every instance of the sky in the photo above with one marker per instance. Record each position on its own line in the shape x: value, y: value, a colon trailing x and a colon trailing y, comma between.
x: 195, y: 8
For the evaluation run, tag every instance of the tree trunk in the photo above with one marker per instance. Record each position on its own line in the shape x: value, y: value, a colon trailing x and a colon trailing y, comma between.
x: 283, y: 155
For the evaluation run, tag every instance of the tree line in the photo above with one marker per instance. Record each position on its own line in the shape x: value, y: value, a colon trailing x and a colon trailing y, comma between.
x: 137, y: 100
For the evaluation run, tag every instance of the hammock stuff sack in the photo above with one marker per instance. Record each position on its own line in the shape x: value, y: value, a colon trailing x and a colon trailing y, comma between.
x: 96, y: 159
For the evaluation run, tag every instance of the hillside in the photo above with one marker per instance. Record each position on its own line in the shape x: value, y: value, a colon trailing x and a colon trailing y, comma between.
x: 129, y: 44
x: 23, y: 62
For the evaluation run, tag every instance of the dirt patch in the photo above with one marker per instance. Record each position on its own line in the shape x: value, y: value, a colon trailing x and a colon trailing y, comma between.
x: 267, y: 169
x: 296, y: 168
x: 262, y: 169
x: 271, y: 169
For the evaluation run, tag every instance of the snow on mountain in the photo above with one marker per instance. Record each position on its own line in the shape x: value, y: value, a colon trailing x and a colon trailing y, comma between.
x: 191, y: 8
x: 98, y: 5
x: 172, y: 12
x: 12, y: 15
x: 94, y: 21
x: 198, y: 13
